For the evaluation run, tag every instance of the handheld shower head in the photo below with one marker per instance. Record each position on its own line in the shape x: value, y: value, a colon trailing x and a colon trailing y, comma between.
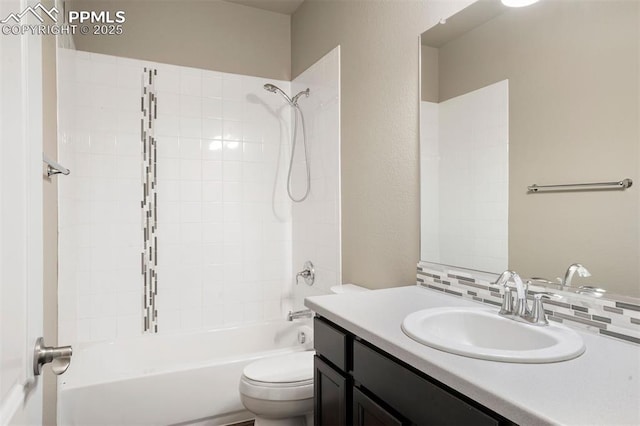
x: 275, y: 89
x: 270, y: 88
x: 296, y: 111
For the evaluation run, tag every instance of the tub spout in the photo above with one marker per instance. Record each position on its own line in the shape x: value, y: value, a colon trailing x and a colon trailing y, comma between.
x: 305, y: 313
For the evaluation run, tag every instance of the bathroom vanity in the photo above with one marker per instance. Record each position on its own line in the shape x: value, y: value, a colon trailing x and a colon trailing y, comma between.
x: 367, y: 371
x: 358, y: 383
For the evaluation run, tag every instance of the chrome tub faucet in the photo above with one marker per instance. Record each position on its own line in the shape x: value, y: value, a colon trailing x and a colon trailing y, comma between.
x: 305, y: 313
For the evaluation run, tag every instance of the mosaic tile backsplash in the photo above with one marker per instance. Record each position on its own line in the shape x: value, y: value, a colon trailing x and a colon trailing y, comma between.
x: 616, y: 317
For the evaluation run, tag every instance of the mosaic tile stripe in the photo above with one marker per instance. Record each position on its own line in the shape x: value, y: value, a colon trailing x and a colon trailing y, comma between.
x: 149, y: 111
x: 614, y: 310
x: 607, y: 317
x: 628, y: 306
x: 620, y: 336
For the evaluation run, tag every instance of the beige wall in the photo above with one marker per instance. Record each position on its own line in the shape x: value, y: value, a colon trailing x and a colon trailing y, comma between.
x: 574, y: 102
x: 213, y: 35
x: 50, y: 224
x: 430, y: 72
x: 379, y: 123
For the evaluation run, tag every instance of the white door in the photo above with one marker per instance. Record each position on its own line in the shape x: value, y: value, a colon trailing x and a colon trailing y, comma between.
x: 20, y: 222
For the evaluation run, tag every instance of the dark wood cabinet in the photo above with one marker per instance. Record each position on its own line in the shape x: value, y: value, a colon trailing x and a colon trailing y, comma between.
x: 331, y: 393
x: 367, y: 412
x: 358, y: 383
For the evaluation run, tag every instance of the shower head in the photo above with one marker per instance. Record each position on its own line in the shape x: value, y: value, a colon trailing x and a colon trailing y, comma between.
x: 275, y: 89
x: 297, y: 111
x: 270, y: 87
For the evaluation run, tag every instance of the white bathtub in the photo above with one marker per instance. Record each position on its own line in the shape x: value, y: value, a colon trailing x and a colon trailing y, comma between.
x: 169, y: 379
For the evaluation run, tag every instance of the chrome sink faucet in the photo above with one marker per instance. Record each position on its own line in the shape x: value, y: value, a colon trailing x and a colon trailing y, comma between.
x: 520, y: 312
x: 571, y: 270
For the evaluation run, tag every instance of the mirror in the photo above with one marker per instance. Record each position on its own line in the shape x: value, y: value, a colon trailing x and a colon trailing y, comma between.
x: 545, y: 94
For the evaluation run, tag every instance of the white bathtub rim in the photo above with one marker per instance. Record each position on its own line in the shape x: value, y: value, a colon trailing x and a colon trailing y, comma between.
x: 184, y: 367
x: 93, y: 371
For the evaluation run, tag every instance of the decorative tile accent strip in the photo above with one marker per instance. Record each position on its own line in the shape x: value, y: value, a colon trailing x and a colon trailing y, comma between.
x: 614, y: 310
x: 620, y: 336
x: 582, y: 315
x: 580, y: 320
x: 605, y: 316
x: 628, y: 306
x: 149, y: 105
x: 555, y: 302
x: 603, y: 319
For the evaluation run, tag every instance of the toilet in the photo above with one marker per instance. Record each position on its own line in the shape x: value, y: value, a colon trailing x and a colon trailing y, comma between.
x: 279, y: 390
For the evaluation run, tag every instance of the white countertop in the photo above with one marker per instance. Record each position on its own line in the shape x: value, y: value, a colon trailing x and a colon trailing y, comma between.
x: 601, y: 387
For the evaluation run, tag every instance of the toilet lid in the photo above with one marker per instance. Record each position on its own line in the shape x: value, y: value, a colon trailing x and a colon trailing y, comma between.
x: 289, y: 368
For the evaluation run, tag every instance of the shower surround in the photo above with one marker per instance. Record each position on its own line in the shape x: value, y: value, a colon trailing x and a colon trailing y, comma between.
x: 187, y: 180
x: 223, y: 219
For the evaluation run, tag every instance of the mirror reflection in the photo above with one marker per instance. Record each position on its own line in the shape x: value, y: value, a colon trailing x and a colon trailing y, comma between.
x: 546, y: 94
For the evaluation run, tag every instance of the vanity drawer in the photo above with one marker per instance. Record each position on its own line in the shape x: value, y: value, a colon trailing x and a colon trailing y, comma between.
x: 331, y: 343
x: 418, y: 399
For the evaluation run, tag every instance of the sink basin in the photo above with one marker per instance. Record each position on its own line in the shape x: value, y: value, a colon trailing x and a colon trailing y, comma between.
x: 482, y: 333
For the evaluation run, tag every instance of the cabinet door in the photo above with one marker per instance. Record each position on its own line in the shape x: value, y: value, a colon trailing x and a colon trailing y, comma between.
x: 331, y: 392
x: 368, y: 413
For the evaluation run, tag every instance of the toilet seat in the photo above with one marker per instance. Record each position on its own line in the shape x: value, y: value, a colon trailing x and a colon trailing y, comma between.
x: 281, y: 378
x: 294, y: 367
x: 276, y: 391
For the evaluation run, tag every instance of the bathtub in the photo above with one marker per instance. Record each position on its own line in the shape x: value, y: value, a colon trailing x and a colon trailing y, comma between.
x: 186, y: 379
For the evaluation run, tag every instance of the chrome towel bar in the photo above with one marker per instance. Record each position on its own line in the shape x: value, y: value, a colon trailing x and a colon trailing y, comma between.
x: 54, y: 168
x: 622, y: 184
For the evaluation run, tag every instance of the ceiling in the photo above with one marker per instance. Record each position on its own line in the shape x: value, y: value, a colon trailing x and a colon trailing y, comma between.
x: 286, y: 7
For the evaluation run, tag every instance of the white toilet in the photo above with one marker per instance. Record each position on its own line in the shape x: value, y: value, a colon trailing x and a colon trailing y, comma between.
x: 279, y: 390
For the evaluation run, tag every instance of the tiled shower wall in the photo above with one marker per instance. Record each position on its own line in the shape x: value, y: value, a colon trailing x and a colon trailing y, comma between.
x: 316, y: 221
x: 100, y: 232
x: 465, y: 179
x: 224, y: 221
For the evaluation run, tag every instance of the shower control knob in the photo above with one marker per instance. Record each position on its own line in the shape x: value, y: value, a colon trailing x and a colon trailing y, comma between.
x: 308, y: 274
x: 60, y: 357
